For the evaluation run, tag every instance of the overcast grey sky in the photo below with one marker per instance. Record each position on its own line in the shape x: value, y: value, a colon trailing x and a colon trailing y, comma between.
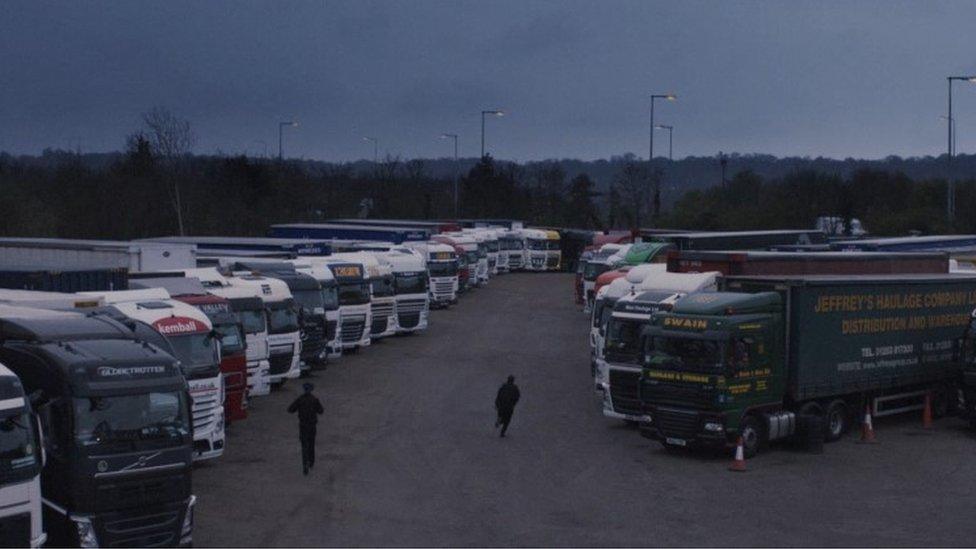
x: 861, y: 79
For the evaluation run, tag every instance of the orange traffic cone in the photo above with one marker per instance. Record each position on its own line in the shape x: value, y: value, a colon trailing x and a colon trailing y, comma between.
x: 739, y: 463
x: 927, y: 412
x: 867, y: 428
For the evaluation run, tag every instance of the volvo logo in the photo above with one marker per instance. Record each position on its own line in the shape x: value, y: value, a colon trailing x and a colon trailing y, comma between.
x: 141, y: 462
x: 102, y: 466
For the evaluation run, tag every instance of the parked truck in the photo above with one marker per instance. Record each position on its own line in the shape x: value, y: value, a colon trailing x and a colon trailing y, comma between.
x: 442, y: 267
x: 284, y: 331
x: 467, y: 248
x: 115, y: 413
x: 355, y: 312
x: 512, y: 243
x: 410, y: 284
x: 749, y: 361
x: 21, y: 462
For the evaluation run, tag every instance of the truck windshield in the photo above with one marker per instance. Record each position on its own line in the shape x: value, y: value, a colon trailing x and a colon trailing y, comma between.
x: 552, y: 244
x: 593, y: 270
x: 128, y: 419
x: 253, y: 320
x: 492, y: 246
x: 681, y: 353
x: 535, y: 244
x: 282, y: 319
x: 513, y: 245
x: 197, y: 353
x: 330, y: 297
x: 472, y: 257
x: 232, y: 341
x: 623, y: 340
x: 602, y: 311
x: 354, y: 294
x: 309, y: 300
x: 18, y: 449
x: 382, y: 287
x: 411, y: 283
x: 442, y: 268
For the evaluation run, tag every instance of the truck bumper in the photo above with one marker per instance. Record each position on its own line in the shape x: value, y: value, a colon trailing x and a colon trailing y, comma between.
x: 608, y: 410
x: 688, y: 428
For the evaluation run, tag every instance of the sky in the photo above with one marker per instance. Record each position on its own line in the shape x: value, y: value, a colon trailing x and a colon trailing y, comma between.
x: 837, y: 79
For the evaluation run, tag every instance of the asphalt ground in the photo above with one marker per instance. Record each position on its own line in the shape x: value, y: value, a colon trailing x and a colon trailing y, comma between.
x: 408, y: 456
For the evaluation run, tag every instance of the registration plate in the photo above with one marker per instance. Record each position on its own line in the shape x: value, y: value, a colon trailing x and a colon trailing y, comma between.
x: 676, y: 441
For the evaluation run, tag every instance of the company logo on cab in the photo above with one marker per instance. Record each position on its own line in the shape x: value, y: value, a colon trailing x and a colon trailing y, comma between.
x: 179, y: 325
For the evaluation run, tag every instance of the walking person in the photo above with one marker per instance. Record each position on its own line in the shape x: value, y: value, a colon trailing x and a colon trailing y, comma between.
x: 505, y: 401
x: 308, y: 408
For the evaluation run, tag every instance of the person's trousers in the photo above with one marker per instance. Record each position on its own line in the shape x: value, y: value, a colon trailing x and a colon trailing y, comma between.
x: 504, y: 418
x: 307, y: 437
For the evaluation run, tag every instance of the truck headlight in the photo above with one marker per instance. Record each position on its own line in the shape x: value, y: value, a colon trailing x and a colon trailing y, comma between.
x: 714, y: 427
x: 186, y: 533
x: 86, y: 533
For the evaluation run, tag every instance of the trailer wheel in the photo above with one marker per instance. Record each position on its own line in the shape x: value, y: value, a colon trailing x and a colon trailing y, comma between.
x: 753, y: 436
x: 836, y: 421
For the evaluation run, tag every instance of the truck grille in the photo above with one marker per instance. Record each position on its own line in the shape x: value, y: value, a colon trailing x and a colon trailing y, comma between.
x: 15, y: 530
x: 624, y: 387
x: 552, y: 262
x: 443, y: 290
x: 677, y: 423
x: 141, y: 493
x: 515, y: 261
x: 313, y: 337
x: 408, y: 312
x: 330, y: 329
x: 352, y: 328
x: 204, y: 407
x: 538, y: 262
x: 676, y: 394
x: 379, y: 324
x: 280, y: 362
x: 152, y: 529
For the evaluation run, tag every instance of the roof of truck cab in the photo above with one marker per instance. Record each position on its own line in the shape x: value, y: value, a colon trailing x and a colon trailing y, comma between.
x: 268, y: 289
x: 47, y: 300
x: 720, y: 303
x: 176, y: 286
x: 642, y: 252
x: 23, y: 323
x: 637, y: 273
x: 679, y: 282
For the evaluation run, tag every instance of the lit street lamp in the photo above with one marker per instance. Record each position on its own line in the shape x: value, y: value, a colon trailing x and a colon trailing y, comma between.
x: 950, y: 149
x: 670, y: 138
x: 483, y: 113
x: 669, y: 97
x: 375, y: 149
x: 457, y: 203
x: 281, y: 129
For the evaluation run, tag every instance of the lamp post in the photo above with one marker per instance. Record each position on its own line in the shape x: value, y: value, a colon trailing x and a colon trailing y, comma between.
x: 670, y: 139
x: 457, y: 202
x: 950, y: 149
x: 281, y: 130
x: 375, y: 142
x: 498, y: 113
x: 669, y: 97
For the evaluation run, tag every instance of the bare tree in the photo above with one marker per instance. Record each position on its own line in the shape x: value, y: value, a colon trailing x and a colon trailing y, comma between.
x: 632, y: 183
x: 172, y: 141
x: 416, y: 170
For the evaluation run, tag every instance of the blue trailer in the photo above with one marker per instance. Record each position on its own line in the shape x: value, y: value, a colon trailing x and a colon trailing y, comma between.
x: 293, y: 246
x: 952, y: 243
x: 322, y: 231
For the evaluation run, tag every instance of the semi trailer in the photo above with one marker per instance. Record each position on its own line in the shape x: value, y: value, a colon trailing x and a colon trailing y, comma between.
x: 71, y: 254
x: 221, y: 244
x: 746, y: 263
x: 749, y: 361
x: 396, y: 235
x: 60, y: 279
x: 736, y: 240
x: 115, y: 413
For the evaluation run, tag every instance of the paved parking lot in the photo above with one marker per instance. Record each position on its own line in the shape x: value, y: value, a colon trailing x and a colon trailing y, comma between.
x: 407, y: 455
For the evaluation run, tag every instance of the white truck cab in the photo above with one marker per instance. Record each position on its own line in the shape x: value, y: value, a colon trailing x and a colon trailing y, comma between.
x: 536, y: 249
x: 410, y: 285
x: 191, y: 335
x: 442, y: 268
x: 247, y: 305
x: 21, y: 460
x: 512, y: 245
x: 330, y: 299
x: 284, y: 334
x: 621, y: 364
x: 379, y: 274
x: 355, y: 298
x: 607, y: 258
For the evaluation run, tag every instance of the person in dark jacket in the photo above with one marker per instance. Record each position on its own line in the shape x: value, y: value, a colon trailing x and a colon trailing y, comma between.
x: 308, y: 408
x: 505, y: 401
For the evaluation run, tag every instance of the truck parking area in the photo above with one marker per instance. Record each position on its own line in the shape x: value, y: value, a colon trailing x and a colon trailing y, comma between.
x: 407, y: 456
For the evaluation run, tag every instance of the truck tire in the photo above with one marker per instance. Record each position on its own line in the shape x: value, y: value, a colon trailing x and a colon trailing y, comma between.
x: 753, y: 435
x: 836, y: 421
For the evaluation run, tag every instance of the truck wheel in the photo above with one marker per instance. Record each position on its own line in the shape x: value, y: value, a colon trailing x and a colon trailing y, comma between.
x: 837, y: 420
x: 753, y: 436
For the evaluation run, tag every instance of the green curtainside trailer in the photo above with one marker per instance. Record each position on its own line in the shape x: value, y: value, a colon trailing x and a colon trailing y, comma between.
x: 749, y: 361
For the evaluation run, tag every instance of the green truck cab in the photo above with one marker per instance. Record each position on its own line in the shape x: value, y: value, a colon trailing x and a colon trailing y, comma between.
x: 751, y: 361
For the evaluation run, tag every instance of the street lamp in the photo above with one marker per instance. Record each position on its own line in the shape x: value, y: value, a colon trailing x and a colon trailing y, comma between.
x: 281, y: 129
x: 950, y: 148
x: 457, y: 203
x: 483, y: 113
x: 669, y: 97
x: 375, y: 149
x: 670, y: 138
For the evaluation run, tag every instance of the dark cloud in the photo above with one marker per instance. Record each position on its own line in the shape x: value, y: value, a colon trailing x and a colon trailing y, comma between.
x: 808, y: 78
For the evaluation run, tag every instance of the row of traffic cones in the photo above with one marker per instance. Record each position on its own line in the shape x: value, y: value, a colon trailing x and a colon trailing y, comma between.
x: 867, y: 434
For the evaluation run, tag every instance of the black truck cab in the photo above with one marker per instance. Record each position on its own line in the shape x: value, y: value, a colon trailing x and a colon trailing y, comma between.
x: 115, y: 412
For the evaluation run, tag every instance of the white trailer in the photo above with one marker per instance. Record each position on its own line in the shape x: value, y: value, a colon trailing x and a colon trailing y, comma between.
x: 64, y: 253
